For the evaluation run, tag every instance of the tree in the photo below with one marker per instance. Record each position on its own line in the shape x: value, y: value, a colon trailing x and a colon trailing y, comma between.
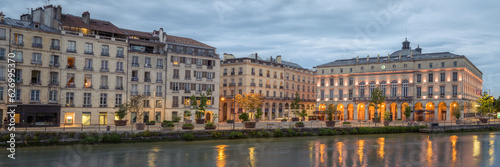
x: 330, y: 111
x: 496, y: 105
x: 485, y: 104
x: 457, y: 111
x: 407, y: 112
x: 295, y: 106
x: 198, y: 104
x: 136, y: 104
x: 122, y: 111
x: 377, y: 98
x: 250, y: 102
x: 258, y: 113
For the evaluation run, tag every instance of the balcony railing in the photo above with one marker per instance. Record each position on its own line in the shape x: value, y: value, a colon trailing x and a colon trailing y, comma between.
x: 253, y: 73
x: 147, y: 65
x: 159, y: 94
x: 71, y: 67
x: 36, y: 45
x: 54, y: 47
x: 134, y: 93
x: 147, y: 79
x: 252, y: 84
x: 104, y: 69
x: 88, y: 68
x: 224, y: 85
x: 119, y: 70
x: 120, y: 55
x: 135, y: 64
x: 147, y: 93
x: 70, y: 85
x: 240, y: 84
x: 232, y: 73
x: 71, y: 50
x: 159, y: 67
x: 89, y: 52
x: 87, y: 105
x: 119, y: 87
x: 17, y: 43
x: 240, y: 73
x: 135, y: 79
x: 104, y: 53
x: 103, y: 87
x: 224, y: 74
x: 159, y: 81
x: 232, y: 84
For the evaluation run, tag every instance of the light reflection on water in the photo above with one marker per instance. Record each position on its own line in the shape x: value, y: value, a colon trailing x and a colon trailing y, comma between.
x: 467, y: 149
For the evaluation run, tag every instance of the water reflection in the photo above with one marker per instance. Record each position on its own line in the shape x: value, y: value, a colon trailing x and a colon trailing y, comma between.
x: 361, y: 144
x: 381, y: 144
x: 152, y: 156
x: 429, y: 151
x: 340, y: 149
x: 491, y: 151
x: 251, y: 155
x: 221, y: 155
x: 453, y: 140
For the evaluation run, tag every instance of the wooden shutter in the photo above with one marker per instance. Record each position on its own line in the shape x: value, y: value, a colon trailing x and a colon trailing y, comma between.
x: 172, y: 59
x: 181, y: 86
x: 193, y: 86
x: 171, y: 85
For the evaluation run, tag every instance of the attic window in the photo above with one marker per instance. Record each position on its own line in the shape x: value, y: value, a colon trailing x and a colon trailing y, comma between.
x: 93, y: 22
x: 37, y: 26
x: 105, y: 23
x: 20, y: 23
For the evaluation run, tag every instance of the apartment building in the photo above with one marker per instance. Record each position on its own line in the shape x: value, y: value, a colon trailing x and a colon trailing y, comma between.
x: 430, y: 83
x: 277, y: 80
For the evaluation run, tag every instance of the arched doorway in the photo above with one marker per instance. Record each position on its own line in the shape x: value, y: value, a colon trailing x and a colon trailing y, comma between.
x: 394, y: 108
x: 340, y: 109
x: 273, y: 110
x: 280, y: 110
x: 371, y: 111
x: 266, y: 111
x: 452, y: 105
x: 322, y: 107
x: 361, y: 111
x: 208, y: 117
x: 442, y: 111
x: 224, y: 112
x: 430, y: 110
x: 350, y: 112
x: 403, y: 109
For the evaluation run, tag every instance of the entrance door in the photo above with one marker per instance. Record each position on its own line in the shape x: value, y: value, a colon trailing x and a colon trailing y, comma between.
x: 102, y: 118
x: 208, y: 118
x: 86, y: 118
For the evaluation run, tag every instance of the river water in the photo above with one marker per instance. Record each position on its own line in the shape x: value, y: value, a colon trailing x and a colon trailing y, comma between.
x: 464, y: 149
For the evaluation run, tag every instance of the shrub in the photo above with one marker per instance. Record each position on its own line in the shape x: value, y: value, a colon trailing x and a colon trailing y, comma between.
x: 353, y: 132
x: 244, y: 116
x: 278, y: 133
x: 266, y: 133
x: 112, y: 138
x: 188, y: 136
x: 299, y: 123
x: 259, y: 134
x: 215, y: 134
x: 90, y: 140
x: 291, y: 132
x: 168, y: 124
x: 325, y: 132
x: 346, y: 122
x: 210, y: 124
x: 234, y: 135
x: 187, y: 125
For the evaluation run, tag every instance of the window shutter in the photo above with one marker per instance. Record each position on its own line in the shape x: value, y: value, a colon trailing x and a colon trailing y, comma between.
x: 204, y: 74
x: 172, y: 59
x: 171, y: 85
x: 205, y: 62
x: 183, y: 60
x: 181, y: 86
x: 193, y: 86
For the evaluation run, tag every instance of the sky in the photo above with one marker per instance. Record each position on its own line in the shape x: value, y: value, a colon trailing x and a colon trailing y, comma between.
x: 310, y: 32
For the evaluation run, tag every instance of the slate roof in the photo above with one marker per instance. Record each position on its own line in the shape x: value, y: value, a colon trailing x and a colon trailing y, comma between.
x: 186, y: 41
x: 395, y: 58
x: 286, y: 63
x: 100, y: 25
x: 28, y: 25
x: 139, y: 34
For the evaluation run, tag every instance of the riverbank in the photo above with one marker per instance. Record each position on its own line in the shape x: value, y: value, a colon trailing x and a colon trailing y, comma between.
x: 27, y: 139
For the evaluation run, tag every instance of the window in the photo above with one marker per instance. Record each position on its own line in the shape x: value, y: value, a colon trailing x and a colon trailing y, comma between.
x: 419, y: 92
x: 350, y: 93
x: 455, y: 76
x: 158, y: 91
x: 71, y: 46
x: 394, y: 88
x: 443, y: 77
x: 322, y: 93
x: 372, y: 88
x: 351, y: 81
x: 52, y: 96
x: 159, y: 63
x: 18, y: 39
x: 2, y: 34
x: 35, y: 96
x: 37, y: 42
x: 36, y: 58
x: 35, y: 77
x: 104, y: 65
x: 88, y: 81
x: 341, y: 94
x: 104, y: 82
x: 405, y: 88
x: 382, y: 87
x: 54, y: 60
x: 199, y: 62
x: 70, y: 96
x: 147, y: 90
x: 442, y: 91
x: 405, y: 65
x: 431, y: 77
x: 158, y: 105
x: 54, y: 78
x: 18, y: 75
x: 419, y: 66
x: 455, y: 63
x: 341, y: 70
x: 187, y: 74
x: 341, y: 81
x: 159, y: 78
x: 175, y: 101
x: 147, y: 62
x: 18, y: 56
x: 71, y: 63
x: 147, y: 76
x: 454, y: 90
x: 362, y: 89
x: 119, y: 66
x: 430, y: 91
x: 372, y: 67
x: 54, y: 44
x: 119, y: 82
x: 70, y: 77
x: 103, y: 102
x: 105, y: 50
x: 442, y: 64
x: 175, y: 59
x: 118, y: 99
x: 2, y: 54
x: 119, y: 52
x: 2, y: 73
x: 88, y: 64
x: 87, y: 100
x: 419, y: 78
x: 430, y: 65
x: 89, y: 48
x: 331, y: 81
x: 394, y: 66
x: 135, y: 61
x: 175, y: 86
x: 331, y: 93
x: 322, y: 82
x: 134, y: 90
x: 18, y: 95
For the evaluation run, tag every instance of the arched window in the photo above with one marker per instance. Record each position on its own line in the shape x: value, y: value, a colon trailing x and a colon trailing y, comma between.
x: 382, y: 87
x: 362, y: 68
x: 372, y: 87
x: 394, y: 88
x: 405, y: 88
x: 394, y: 66
x: 362, y: 89
x: 373, y: 67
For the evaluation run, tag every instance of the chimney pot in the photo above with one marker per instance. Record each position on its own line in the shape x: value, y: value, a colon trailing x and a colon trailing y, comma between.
x: 86, y: 17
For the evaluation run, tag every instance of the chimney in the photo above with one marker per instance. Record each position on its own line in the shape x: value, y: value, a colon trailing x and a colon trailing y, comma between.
x: 399, y: 55
x: 271, y: 59
x: 160, y: 35
x: 378, y: 58
x: 256, y: 56
x: 2, y: 16
x: 357, y: 59
x: 86, y: 17
x: 367, y: 58
x: 37, y: 15
x: 278, y: 59
x: 388, y: 56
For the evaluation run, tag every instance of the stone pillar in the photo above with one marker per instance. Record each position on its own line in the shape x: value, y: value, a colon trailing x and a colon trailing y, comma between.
x: 399, y: 112
x: 448, y: 114
x: 436, y: 113
x: 367, y: 112
x: 346, y: 113
x: 355, y: 112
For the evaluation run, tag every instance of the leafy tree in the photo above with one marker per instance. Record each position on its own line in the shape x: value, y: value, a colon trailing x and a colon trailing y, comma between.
x: 258, y: 113
x: 485, y: 104
x: 387, y: 116
x: 457, y: 111
x: 407, y: 112
x: 250, y: 102
x: 330, y: 111
x: 136, y: 104
x: 198, y: 104
x: 302, y: 114
x: 295, y: 106
x: 122, y: 111
x: 377, y: 98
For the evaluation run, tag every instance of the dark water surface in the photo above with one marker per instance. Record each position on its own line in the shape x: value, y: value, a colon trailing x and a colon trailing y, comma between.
x: 465, y: 149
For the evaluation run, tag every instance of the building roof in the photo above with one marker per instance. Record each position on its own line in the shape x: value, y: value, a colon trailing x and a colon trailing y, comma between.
x: 100, y: 25
x: 28, y: 25
x: 138, y: 33
x: 382, y: 59
x: 186, y: 41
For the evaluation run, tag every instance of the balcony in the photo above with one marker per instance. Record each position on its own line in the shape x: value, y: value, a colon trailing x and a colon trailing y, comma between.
x: 187, y: 78
x: 38, y: 62
x: 260, y: 85
x: 199, y: 66
x: 268, y: 75
x: 71, y: 67
x: 88, y: 68
x: 281, y: 87
x: 89, y: 52
x: 120, y: 70
x: 232, y: 73
x: 159, y: 81
x: 275, y: 76
x: 119, y: 87
x: 224, y: 74
x: 104, y: 53
x: 240, y: 73
x: 135, y: 79
x: 134, y: 93
x: 175, y: 77
x: 52, y: 64
x: 187, y: 91
x: 18, y: 43
x: 71, y: 50
x: 274, y: 86
x: 135, y: 64
x: 104, y: 70
x: 268, y: 86
x: 70, y: 105
x: 147, y: 65
x: 240, y: 84
x: 70, y: 85
x: 158, y: 94
x: 119, y: 55
x: 53, y: 83
x: 35, y: 82
x: 253, y: 73
x: 232, y: 84
x: 147, y: 79
x: 224, y: 85
x: 210, y: 67
x: 260, y: 74
x: 53, y: 102
x: 103, y: 87
x: 54, y: 47
x: 198, y: 79
x: 87, y: 105
x: 147, y: 93
x: 252, y: 84
x: 36, y: 45
x: 159, y: 66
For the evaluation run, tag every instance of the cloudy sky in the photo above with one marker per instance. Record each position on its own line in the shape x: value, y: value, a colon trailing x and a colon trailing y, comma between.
x: 310, y: 32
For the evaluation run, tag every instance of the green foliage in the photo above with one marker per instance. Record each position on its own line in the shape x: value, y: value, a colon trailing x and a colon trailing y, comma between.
x: 136, y: 104
x: 345, y: 123
x: 291, y: 132
x: 330, y: 111
x: 278, y: 133
x: 456, y: 111
x: 235, y: 135
x: 187, y: 113
x: 299, y: 123
x: 188, y: 136
x: 187, y: 125
x: 258, y: 113
x: 112, y: 138
x: 295, y: 105
x: 302, y: 114
x: 176, y: 119
x: 407, y: 112
x: 353, y: 132
x: 215, y: 134
x: 387, y: 116
x: 168, y: 124
x: 122, y: 111
x: 326, y: 132
x: 377, y: 98
x: 485, y: 104
x: 210, y: 124
x: 244, y: 116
